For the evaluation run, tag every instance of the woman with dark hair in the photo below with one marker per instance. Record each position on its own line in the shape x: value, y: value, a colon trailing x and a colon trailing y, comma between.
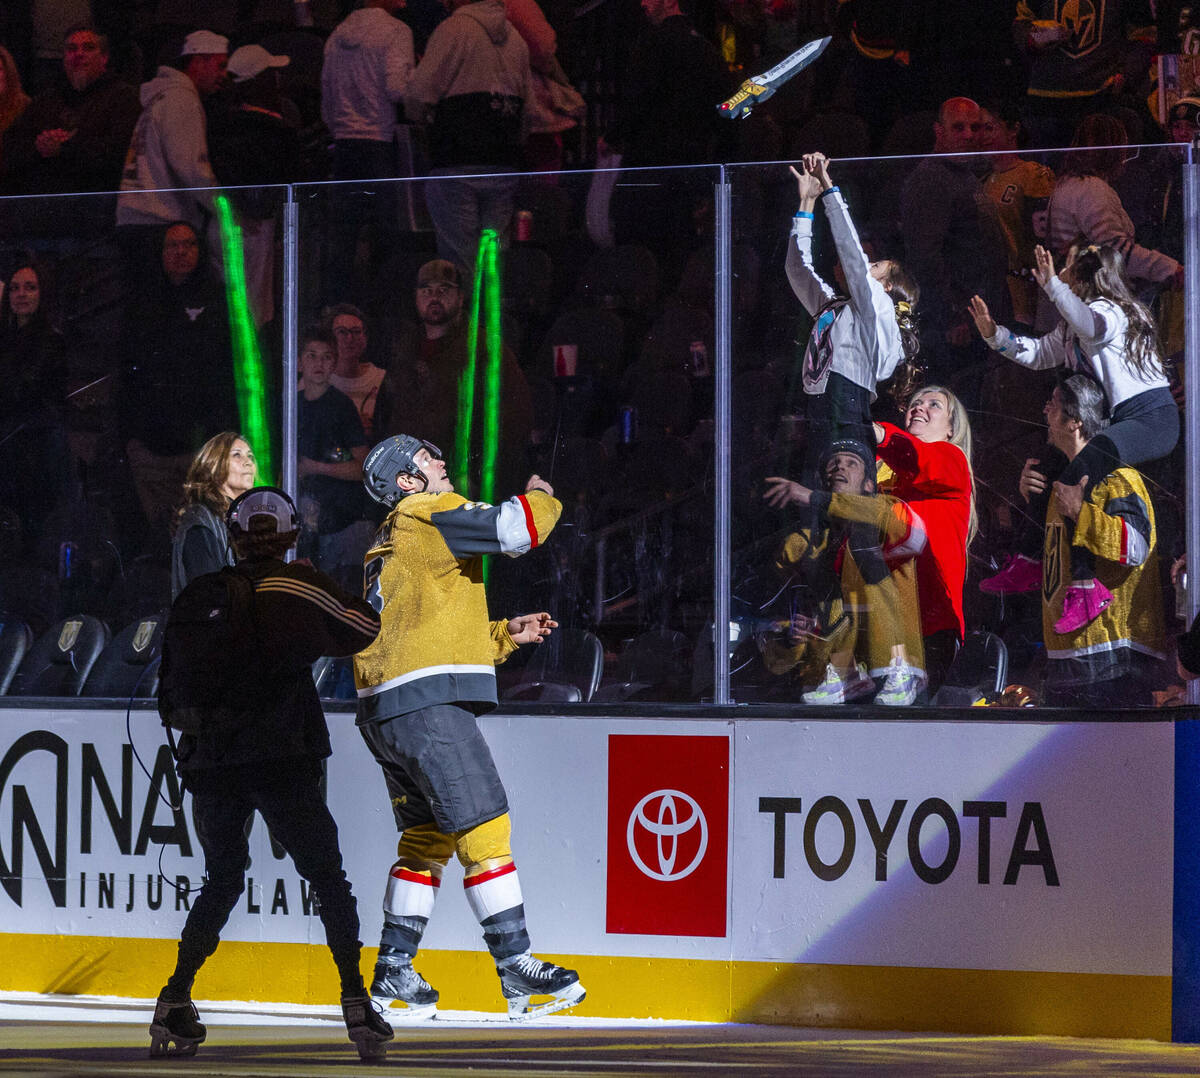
x: 222, y: 469
x: 1085, y: 209
x: 35, y: 460
x: 1109, y: 335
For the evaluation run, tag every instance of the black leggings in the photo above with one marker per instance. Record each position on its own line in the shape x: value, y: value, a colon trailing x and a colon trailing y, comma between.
x: 842, y: 411
x: 292, y: 805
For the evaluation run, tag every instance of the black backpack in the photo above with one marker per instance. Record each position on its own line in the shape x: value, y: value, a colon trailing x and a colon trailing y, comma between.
x: 208, y: 679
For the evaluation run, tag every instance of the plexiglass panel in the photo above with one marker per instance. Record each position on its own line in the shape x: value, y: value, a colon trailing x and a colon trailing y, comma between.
x: 590, y: 302
x: 832, y: 593
x: 132, y: 331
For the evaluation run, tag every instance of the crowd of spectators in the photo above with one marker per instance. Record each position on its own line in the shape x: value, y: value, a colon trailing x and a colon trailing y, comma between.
x: 121, y: 368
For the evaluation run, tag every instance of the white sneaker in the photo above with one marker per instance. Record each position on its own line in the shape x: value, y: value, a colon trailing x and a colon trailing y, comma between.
x: 902, y: 684
x: 836, y: 689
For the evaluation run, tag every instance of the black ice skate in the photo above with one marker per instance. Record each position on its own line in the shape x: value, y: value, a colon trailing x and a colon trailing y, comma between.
x: 366, y: 1027
x: 395, y: 979
x: 524, y: 977
x: 176, y: 1029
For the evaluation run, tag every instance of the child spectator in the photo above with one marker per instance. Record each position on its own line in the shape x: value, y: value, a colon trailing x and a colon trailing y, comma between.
x: 330, y: 447
x: 855, y: 342
x: 1106, y: 334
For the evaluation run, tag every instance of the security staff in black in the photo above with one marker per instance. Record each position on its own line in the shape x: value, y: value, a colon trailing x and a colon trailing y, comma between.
x: 256, y: 741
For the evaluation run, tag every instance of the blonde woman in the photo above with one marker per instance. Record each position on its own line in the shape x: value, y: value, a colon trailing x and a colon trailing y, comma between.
x: 930, y: 462
x: 223, y: 468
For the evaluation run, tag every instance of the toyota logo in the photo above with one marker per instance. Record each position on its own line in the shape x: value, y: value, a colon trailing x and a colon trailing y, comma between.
x: 659, y: 814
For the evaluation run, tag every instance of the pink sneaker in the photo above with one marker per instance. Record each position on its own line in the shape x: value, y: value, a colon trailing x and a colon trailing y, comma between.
x: 1019, y: 574
x: 1081, y: 605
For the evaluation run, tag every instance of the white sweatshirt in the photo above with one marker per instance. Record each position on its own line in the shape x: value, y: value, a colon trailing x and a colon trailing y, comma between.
x: 1099, y: 330
x: 860, y: 340
x: 368, y: 62
x: 169, y: 150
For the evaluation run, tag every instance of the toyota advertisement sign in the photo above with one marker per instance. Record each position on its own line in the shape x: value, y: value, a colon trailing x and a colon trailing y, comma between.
x: 668, y: 835
x: 729, y: 851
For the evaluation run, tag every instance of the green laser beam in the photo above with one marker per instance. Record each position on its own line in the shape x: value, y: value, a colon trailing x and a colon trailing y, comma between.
x: 489, y: 254
x: 484, y: 314
x: 249, y: 375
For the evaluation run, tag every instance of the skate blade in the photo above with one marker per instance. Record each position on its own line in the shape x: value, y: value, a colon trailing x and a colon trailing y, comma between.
x: 164, y: 1043
x: 399, y: 1011
x: 521, y: 1009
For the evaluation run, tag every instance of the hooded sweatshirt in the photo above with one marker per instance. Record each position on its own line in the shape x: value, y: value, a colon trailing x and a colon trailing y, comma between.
x: 471, y: 87
x: 169, y: 149
x: 368, y: 62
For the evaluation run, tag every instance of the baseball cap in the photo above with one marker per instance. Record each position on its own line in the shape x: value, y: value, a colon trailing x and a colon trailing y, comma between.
x: 204, y: 43
x: 262, y: 510
x: 251, y: 60
x: 439, y: 271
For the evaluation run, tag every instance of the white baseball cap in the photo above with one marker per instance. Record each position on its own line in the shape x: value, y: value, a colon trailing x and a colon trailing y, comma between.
x: 204, y: 43
x: 249, y: 61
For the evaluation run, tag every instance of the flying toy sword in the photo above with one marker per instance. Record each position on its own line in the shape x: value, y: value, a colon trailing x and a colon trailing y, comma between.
x: 758, y: 89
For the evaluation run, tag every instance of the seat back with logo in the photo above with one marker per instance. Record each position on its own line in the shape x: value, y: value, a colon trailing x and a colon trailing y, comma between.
x: 128, y: 667
x: 60, y: 660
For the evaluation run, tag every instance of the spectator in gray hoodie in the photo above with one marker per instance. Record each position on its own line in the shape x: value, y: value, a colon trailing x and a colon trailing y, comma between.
x: 367, y: 66
x: 471, y: 88
x: 169, y: 150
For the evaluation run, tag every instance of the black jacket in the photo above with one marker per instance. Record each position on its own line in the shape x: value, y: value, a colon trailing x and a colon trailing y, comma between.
x: 300, y: 615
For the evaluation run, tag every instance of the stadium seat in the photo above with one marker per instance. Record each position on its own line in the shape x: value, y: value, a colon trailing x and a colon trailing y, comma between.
x: 652, y: 666
x: 61, y: 658
x: 15, y: 640
x: 979, y: 671
x: 566, y: 668
x: 128, y: 666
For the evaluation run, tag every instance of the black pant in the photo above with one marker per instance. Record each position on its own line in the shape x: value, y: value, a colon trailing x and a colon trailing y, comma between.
x: 289, y: 799
x: 842, y: 411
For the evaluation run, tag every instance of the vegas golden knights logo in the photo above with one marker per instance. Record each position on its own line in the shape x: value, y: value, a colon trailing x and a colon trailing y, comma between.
x: 1052, y: 565
x: 145, y: 631
x: 69, y: 634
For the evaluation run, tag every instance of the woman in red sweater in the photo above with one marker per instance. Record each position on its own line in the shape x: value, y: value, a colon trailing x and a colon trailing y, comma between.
x: 931, y: 470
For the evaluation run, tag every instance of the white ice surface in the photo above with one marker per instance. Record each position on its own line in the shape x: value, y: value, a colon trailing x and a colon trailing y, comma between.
x: 33, y: 1007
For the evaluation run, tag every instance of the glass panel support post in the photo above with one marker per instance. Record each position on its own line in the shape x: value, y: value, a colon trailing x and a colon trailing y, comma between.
x: 1191, y: 367
x: 291, y: 311
x: 723, y: 449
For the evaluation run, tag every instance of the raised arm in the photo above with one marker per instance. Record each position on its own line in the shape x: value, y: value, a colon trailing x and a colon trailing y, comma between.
x: 514, y: 527
x: 806, y: 283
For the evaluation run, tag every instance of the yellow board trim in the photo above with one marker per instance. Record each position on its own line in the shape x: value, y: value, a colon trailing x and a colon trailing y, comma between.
x: 1013, y: 1002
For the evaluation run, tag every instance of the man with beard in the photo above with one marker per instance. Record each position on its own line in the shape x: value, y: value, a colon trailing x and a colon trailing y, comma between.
x: 73, y: 136
x: 421, y: 388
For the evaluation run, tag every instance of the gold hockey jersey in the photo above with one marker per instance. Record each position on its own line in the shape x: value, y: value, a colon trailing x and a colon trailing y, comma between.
x: 424, y: 575
x: 1116, y: 524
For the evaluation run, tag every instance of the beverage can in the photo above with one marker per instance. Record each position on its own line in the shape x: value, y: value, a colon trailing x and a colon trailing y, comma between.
x: 524, y: 226
x: 628, y: 424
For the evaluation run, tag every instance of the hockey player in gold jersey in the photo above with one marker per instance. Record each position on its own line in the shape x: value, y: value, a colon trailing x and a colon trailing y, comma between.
x: 421, y: 685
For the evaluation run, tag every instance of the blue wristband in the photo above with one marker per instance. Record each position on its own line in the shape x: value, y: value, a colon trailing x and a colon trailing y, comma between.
x: 830, y: 191
x: 804, y: 213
